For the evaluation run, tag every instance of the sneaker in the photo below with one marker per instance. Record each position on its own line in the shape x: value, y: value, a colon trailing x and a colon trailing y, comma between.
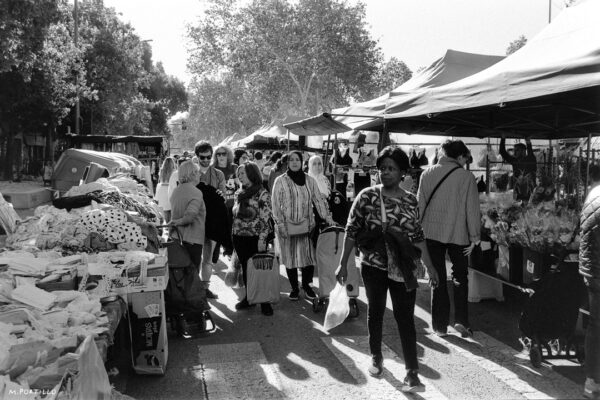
x: 294, y: 295
x: 412, y: 383
x: 242, y: 305
x: 376, y: 368
x: 463, y: 330
x: 266, y: 309
x: 211, y: 295
x: 591, y: 389
x: 309, y: 292
x: 441, y: 333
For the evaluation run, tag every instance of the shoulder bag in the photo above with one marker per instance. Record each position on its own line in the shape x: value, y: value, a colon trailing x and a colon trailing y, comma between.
x: 435, y: 189
x: 302, y: 227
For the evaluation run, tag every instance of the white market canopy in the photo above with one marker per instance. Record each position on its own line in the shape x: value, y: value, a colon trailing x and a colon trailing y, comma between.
x: 272, y: 136
x: 453, y: 66
x: 550, y: 88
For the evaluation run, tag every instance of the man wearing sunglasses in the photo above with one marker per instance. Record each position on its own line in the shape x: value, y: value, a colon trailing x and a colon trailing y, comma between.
x: 210, y: 176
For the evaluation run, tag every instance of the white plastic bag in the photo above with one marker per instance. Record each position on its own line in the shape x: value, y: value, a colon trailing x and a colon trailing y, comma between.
x: 338, y: 308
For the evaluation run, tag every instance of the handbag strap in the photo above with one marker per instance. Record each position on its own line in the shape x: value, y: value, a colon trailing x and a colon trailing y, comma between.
x: 436, y: 188
x: 383, y: 213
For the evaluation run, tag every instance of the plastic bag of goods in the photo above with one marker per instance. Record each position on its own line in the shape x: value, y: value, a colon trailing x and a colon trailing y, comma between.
x: 338, y: 308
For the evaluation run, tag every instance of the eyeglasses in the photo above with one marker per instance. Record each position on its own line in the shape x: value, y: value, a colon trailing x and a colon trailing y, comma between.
x: 204, y: 157
x: 221, y: 154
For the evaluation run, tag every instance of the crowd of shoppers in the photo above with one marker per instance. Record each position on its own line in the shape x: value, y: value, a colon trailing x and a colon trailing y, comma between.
x: 274, y: 205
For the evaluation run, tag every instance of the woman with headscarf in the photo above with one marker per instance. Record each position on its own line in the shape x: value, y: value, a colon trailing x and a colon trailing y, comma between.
x: 162, y: 190
x: 315, y: 170
x: 293, y: 197
x: 251, y: 226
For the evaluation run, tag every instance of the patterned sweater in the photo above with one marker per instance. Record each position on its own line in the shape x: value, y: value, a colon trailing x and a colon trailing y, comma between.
x: 402, y: 215
x: 257, y: 224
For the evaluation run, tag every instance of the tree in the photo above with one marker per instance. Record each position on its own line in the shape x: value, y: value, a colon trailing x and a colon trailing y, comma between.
x: 37, y: 69
x: 167, y: 95
x: 296, y: 57
x: 516, y: 44
x: 220, y: 107
x: 392, y: 74
x: 115, y: 69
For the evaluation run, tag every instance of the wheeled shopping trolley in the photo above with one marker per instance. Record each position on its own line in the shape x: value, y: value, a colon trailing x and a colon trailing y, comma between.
x: 329, y: 253
x: 549, y: 318
x: 185, y: 299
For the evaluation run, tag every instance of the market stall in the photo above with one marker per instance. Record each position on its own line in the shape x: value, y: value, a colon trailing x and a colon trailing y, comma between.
x: 68, y: 276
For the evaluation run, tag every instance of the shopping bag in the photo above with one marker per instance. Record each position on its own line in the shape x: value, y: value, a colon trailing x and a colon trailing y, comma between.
x: 338, y: 308
x: 233, y: 275
x: 92, y: 380
x: 263, y: 279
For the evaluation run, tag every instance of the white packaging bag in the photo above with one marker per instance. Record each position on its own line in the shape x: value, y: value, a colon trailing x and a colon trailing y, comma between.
x: 338, y: 308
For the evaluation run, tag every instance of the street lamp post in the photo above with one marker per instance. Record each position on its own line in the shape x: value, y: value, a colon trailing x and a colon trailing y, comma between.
x: 75, y: 40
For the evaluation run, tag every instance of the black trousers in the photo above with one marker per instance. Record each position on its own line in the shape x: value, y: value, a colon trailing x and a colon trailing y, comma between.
x: 377, y: 284
x: 440, y: 300
x: 307, y: 276
x: 245, y: 247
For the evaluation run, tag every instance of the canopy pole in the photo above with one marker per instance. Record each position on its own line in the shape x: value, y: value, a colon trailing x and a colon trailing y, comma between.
x: 333, y: 152
x: 288, y: 141
x: 325, y: 162
x: 587, y: 174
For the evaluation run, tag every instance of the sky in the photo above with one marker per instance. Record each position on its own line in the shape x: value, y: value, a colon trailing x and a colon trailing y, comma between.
x: 415, y: 31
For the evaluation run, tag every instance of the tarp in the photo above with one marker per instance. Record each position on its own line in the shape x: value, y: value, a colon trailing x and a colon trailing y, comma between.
x: 452, y: 66
x: 146, y: 140
x: 267, y: 137
x: 550, y: 88
x: 71, y: 165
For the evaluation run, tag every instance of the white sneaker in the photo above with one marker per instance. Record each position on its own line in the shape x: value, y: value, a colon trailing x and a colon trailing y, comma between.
x: 591, y: 389
x: 463, y: 330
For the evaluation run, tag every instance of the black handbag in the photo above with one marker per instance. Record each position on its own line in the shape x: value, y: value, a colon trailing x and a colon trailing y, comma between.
x: 177, y: 253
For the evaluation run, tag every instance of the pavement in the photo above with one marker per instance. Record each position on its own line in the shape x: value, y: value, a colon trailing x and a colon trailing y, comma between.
x: 291, y: 356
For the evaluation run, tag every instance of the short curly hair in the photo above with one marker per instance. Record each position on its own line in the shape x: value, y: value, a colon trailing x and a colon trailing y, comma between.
x: 187, y: 171
x: 397, y: 155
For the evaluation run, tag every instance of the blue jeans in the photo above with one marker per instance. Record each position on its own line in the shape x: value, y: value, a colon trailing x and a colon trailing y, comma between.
x: 377, y: 284
x: 592, y: 336
x: 440, y: 301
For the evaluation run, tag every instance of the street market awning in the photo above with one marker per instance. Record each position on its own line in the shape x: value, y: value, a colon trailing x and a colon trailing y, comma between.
x: 274, y: 136
x: 452, y: 66
x: 550, y: 88
x: 319, y: 125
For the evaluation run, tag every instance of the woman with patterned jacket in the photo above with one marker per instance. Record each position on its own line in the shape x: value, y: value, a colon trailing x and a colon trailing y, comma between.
x: 293, y: 197
x: 251, y: 222
x: 401, y: 216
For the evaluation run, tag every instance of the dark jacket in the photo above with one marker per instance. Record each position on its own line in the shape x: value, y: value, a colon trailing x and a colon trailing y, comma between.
x: 398, y: 246
x: 589, y: 248
x: 217, y: 222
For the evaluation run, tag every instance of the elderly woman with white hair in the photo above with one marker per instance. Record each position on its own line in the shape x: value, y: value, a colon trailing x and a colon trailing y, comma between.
x: 188, y: 211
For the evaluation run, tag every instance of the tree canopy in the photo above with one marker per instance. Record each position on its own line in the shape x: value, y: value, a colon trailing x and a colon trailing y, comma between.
x: 43, y: 72
x: 289, y: 57
x: 516, y: 44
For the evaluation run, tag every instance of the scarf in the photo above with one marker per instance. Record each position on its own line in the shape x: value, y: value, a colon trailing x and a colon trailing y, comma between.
x: 299, y: 177
x: 322, y: 183
x: 242, y: 201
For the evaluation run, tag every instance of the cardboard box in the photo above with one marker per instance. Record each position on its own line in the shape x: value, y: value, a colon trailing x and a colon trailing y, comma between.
x: 148, y: 324
x: 150, y: 277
